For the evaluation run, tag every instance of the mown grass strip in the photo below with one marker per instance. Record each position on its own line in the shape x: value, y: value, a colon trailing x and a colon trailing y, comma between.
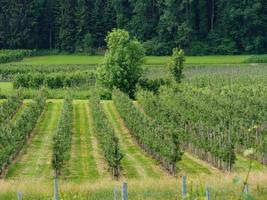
x: 149, y: 60
x: 135, y: 162
x: 82, y: 165
x: 36, y: 162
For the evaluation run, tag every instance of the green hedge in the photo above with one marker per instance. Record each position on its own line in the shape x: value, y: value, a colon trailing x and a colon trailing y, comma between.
x: 62, y: 138
x: 106, y: 136
x: 14, y: 133
x: 55, y: 80
x: 7, y: 55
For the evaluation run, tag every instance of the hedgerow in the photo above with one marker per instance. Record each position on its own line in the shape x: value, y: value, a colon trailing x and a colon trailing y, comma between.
x: 109, y: 142
x: 62, y: 137
x: 158, y: 139
x: 7, y: 55
x: 54, y: 80
x: 10, y: 106
x: 15, y: 133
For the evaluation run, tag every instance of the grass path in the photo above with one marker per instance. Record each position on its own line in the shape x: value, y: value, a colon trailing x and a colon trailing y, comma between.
x: 135, y: 164
x: 82, y: 165
x: 36, y: 162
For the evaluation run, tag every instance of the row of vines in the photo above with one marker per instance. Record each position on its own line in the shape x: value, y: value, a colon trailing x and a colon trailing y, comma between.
x: 63, y: 136
x: 160, y: 140
x: 106, y: 136
x: 216, y: 122
x: 14, y: 134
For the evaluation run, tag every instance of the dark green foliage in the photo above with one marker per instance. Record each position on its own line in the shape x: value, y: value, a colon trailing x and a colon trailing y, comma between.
x: 176, y: 64
x: 10, y: 107
x: 109, y: 142
x: 214, y: 27
x: 211, y: 140
x: 165, y: 145
x: 14, y: 55
x: 54, y: 80
x: 153, y: 85
x: 122, y: 64
x: 10, y: 71
x: 62, y: 137
x: 14, y: 134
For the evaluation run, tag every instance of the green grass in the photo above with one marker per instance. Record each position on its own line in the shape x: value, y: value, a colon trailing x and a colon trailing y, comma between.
x: 82, y: 165
x: 242, y: 164
x: 35, y: 163
x: 6, y: 88
x: 149, y: 60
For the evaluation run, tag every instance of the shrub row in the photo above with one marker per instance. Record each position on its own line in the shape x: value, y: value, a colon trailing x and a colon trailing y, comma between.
x: 55, y: 80
x: 10, y: 106
x: 9, y: 71
x: 14, y: 134
x: 106, y: 136
x: 165, y: 143
x: 13, y: 55
x: 62, y: 137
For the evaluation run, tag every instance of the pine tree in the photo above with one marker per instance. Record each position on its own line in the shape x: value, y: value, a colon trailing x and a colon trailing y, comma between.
x: 67, y: 29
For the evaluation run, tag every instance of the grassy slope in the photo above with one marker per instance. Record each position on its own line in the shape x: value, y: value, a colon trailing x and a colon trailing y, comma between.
x: 135, y: 164
x: 82, y: 165
x: 35, y: 163
x: 149, y: 60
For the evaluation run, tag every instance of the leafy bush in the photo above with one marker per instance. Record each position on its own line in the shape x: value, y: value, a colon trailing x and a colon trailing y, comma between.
x: 13, y: 55
x: 257, y: 59
x: 153, y: 85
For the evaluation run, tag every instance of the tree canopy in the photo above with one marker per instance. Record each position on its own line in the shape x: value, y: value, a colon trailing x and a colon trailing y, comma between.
x: 197, y: 26
x: 122, y: 63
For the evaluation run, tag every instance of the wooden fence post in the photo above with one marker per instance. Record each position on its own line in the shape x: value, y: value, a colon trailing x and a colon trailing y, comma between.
x: 19, y: 196
x: 246, y: 190
x: 116, y: 196
x: 208, y: 193
x: 183, y: 187
x: 56, y: 193
x: 124, y: 191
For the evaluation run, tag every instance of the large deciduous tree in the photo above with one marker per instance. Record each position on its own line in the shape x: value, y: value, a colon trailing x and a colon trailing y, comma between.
x: 122, y: 64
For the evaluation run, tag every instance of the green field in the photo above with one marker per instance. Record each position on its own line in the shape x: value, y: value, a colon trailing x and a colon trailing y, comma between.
x: 149, y: 60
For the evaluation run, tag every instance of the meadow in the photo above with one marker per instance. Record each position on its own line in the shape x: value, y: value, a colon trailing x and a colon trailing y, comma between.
x: 149, y: 60
x: 210, y: 86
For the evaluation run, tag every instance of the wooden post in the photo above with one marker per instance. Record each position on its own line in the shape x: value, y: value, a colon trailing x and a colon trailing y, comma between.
x: 124, y: 191
x: 56, y: 193
x: 183, y: 187
x: 207, y: 193
x: 116, y: 196
x: 246, y: 190
x: 19, y: 196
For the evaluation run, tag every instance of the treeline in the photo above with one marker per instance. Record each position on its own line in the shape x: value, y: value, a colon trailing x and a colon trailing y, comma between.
x: 199, y: 26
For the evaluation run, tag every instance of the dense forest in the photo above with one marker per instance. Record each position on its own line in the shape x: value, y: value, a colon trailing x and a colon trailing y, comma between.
x: 198, y: 26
